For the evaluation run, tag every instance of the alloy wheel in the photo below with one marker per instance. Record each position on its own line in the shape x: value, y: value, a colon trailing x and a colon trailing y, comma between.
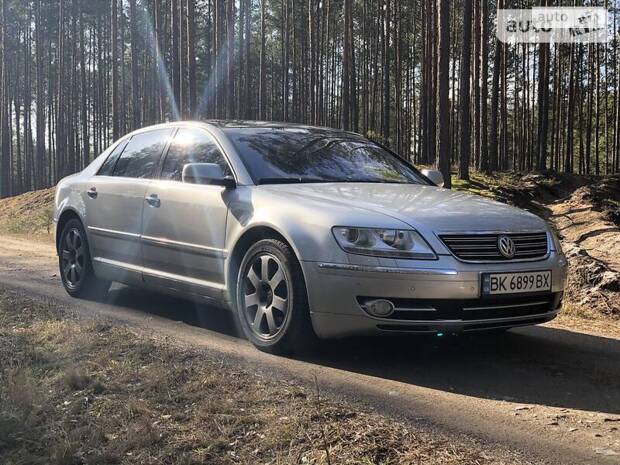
x: 266, y: 296
x: 73, y: 259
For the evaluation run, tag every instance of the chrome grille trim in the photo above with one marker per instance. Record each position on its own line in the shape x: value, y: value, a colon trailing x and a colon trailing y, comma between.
x: 464, y: 310
x: 479, y: 247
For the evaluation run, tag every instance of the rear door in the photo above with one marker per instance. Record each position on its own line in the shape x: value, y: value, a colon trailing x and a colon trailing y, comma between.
x: 115, y: 201
x: 183, y: 233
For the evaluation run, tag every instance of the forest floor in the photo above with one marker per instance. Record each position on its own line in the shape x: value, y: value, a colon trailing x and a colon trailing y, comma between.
x: 89, y: 392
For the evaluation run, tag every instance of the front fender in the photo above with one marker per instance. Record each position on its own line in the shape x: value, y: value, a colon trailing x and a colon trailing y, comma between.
x: 307, y: 230
x: 304, y: 222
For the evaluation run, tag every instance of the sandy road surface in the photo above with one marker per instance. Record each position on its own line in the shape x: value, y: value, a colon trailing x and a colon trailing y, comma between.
x: 551, y: 393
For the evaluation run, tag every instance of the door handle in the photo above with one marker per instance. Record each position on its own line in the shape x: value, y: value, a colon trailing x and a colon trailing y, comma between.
x: 92, y: 193
x: 153, y: 200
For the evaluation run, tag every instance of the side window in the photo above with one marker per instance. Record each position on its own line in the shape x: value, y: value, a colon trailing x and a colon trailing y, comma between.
x: 192, y: 146
x: 142, y: 154
x: 108, y: 165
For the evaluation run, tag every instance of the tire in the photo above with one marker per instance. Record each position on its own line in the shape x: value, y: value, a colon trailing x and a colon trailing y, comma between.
x: 74, y: 262
x: 271, y: 299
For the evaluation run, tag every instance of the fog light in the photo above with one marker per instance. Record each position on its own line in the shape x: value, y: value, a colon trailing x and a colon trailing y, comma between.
x: 380, y: 307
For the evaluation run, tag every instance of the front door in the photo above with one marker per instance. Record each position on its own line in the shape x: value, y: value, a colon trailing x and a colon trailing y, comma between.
x: 184, y: 225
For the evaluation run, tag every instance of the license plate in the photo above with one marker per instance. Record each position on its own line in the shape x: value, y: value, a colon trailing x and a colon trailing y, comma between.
x: 515, y: 283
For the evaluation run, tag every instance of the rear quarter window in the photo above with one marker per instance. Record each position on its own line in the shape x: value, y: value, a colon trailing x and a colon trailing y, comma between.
x: 108, y: 165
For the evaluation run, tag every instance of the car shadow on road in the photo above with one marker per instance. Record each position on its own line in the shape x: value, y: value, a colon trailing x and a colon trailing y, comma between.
x: 538, y: 365
x: 195, y: 314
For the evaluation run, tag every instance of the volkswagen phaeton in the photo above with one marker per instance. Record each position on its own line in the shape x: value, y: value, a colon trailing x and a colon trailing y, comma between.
x: 302, y: 232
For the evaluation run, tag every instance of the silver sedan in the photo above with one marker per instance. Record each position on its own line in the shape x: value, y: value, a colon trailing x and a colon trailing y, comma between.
x: 302, y: 232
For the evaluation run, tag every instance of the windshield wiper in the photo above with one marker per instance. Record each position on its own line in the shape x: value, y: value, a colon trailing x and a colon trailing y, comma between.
x: 299, y: 180
x: 372, y: 181
x: 288, y: 180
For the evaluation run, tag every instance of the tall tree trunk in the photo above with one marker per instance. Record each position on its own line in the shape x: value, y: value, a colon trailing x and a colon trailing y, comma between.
x: 159, y: 60
x: 183, y: 94
x: 191, y: 57
x: 347, y: 64
x: 5, y: 140
x: 591, y: 79
x: 443, y: 78
x: 504, y: 111
x: 285, y: 59
x: 40, y: 179
x: 261, y: 63
x: 494, y: 131
x: 616, y: 154
x: 135, y: 91
x: 249, y: 110
x: 543, y: 105
x: 597, y: 106
x: 464, y: 91
x: 484, y: 71
x: 476, y: 82
x: 115, y: 94
x: 386, y: 72
x: 27, y: 97
x: 61, y: 111
x: 176, y: 60
x: 568, y: 163
x: 84, y: 94
x: 230, y: 49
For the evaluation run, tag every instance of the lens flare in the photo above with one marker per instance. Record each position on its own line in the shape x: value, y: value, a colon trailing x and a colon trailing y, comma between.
x: 162, y: 73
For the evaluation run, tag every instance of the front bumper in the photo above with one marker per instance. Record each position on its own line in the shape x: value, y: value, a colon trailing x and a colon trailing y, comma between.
x: 438, y: 296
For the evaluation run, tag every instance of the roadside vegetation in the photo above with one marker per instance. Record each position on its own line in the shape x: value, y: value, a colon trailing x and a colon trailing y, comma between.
x: 30, y: 213
x: 75, y: 391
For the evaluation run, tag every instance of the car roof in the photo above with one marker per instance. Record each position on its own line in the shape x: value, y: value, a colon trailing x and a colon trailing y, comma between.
x: 231, y: 125
x: 245, y: 124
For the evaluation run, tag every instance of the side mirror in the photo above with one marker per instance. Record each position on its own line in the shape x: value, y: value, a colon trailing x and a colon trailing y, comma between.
x: 207, y: 173
x: 435, y: 176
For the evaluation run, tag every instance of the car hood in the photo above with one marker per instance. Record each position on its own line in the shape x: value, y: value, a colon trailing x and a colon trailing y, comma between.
x: 426, y: 207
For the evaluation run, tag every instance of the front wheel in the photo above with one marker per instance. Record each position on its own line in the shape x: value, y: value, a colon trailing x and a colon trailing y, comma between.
x: 272, y: 304
x: 76, y: 270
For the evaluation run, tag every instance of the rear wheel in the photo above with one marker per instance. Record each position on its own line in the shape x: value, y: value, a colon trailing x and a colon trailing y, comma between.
x: 272, y: 304
x: 76, y: 270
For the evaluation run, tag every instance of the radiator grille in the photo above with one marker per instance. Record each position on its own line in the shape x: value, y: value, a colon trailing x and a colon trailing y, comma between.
x: 484, y: 247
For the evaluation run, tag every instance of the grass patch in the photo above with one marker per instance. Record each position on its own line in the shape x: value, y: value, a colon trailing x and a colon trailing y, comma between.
x: 29, y: 213
x: 72, y: 392
x: 477, y: 184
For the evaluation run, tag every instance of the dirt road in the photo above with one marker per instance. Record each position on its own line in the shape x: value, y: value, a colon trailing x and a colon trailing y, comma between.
x: 549, y: 392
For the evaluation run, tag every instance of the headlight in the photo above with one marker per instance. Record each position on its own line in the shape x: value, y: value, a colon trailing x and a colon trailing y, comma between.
x: 392, y: 243
x: 555, y: 241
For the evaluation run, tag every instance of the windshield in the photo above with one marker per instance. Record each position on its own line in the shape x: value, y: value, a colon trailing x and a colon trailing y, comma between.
x: 288, y: 155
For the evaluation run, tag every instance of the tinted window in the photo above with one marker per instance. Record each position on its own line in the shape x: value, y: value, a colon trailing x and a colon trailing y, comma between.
x: 142, y: 154
x: 108, y: 165
x: 192, y: 146
x: 275, y: 155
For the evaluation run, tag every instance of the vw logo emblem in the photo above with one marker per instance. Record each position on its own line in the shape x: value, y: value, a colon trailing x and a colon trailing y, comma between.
x: 506, y: 246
